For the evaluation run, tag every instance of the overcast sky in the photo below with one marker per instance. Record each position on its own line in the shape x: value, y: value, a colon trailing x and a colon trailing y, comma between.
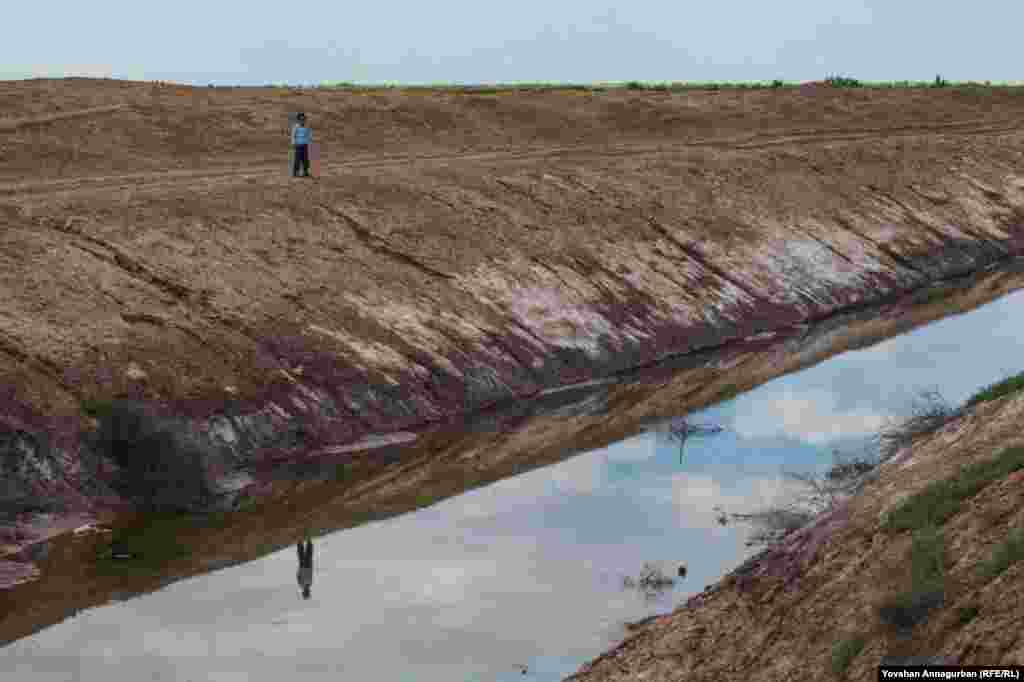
x: 527, y: 570
x: 248, y: 43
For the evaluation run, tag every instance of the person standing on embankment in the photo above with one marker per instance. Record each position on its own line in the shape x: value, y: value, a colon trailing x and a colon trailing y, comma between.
x: 305, y: 574
x: 302, y: 136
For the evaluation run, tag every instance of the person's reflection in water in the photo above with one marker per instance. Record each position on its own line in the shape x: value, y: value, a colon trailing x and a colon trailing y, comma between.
x: 305, y: 574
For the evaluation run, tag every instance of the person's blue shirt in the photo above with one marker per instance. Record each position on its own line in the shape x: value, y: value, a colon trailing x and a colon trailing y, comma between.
x: 301, y: 134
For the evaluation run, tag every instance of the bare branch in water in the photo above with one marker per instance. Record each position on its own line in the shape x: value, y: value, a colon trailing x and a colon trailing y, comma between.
x: 680, y: 429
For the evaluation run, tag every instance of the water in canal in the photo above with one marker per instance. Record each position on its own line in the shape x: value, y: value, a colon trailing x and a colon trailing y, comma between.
x: 528, y: 571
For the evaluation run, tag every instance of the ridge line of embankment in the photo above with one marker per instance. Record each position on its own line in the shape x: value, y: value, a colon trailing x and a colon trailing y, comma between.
x: 747, y: 142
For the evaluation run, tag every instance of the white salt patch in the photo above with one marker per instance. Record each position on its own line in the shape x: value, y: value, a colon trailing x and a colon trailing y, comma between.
x: 223, y: 430
x: 373, y: 352
x: 90, y: 528
x: 235, y: 481
x: 133, y: 371
x: 558, y: 316
x: 809, y: 263
x: 547, y: 315
x: 371, y: 442
x: 582, y: 384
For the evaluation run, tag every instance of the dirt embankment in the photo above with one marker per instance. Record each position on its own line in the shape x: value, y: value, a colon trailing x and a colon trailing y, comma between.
x: 459, y: 249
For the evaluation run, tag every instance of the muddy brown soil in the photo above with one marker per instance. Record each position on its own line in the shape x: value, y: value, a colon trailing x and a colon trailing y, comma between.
x: 467, y: 247
x: 459, y: 250
x: 154, y: 245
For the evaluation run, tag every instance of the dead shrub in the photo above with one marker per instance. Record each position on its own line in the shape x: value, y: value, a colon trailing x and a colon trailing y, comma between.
x: 929, y: 411
x: 157, y: 469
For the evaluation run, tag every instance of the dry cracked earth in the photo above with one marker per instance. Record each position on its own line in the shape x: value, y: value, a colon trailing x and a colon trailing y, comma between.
x: 459, y: 250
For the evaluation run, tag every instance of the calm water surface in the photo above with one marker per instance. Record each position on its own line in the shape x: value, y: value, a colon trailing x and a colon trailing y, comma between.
x: 527, y: 571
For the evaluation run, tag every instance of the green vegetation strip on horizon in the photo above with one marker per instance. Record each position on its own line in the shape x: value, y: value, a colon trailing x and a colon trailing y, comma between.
x: 673, y: 86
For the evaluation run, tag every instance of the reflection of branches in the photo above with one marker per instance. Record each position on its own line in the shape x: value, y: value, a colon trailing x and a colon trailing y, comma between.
x: 679, y: 429
x: 815, y: 493
x: 929, y: 411
x: 770, y: 525
x: 651, y: 583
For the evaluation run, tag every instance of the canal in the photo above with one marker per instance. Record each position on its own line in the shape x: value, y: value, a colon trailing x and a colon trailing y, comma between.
x: 523, y: 579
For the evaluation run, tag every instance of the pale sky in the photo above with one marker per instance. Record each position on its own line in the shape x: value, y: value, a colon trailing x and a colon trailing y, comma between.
x: 527, y: 570
x: 457, y: 41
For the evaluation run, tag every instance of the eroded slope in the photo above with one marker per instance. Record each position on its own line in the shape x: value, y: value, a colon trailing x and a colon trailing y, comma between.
x: 458, y: 250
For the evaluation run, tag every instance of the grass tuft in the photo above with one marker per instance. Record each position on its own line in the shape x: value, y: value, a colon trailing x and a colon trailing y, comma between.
x: 844, y: 652
x: 999, y: 389
x: 927, y: 592
x: 939, y: 501
x: 98, y: 409
x: 727, y: 393
x: 1007, y: 553
x: 927, y: 558
x: 965, y: 614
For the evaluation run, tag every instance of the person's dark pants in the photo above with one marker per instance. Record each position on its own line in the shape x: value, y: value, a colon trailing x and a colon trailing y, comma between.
x: 301, y: 157
x: 305, y: 552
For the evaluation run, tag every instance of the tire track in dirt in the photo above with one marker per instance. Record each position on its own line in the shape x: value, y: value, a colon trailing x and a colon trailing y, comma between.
x: 171, y: 178
x: 7, y: 126
x: 378, y: 244
x: 36, y: 361
x: 193, y: 300
x: 124, y: 261
x: 147, y: 181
